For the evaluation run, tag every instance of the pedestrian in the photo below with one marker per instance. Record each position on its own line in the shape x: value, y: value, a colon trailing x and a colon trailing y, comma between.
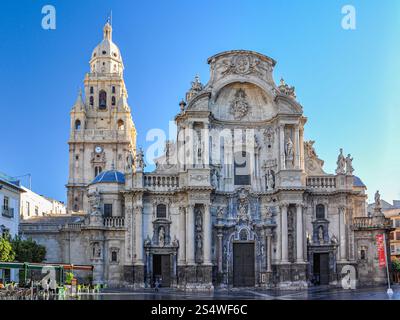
x: 157, y: 285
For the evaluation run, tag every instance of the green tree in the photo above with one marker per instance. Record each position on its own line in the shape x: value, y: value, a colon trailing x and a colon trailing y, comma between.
x: 7, y: 253
x: 28, y: 250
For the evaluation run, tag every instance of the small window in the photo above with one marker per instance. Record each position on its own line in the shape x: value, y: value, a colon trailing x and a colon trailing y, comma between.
x: 113, y: 89
x: 161, y: 211
x: 397, y: 223
x: 397, y: 235
x: 91, y: 100
x: 320, y: 211
x: 36, y: 211
x: 391, y: 236
x: 104, y: 52
x: 97, y: 171
x: 78, y: 125
x: 6, y: 202
x: 91, y: 90
x: 108, y: 210
x: 114, y: 256
x: 363, y: 255
x: 120, y: 124
x: 113, y: 100
x: 102, y: 99
x: 28, y: 208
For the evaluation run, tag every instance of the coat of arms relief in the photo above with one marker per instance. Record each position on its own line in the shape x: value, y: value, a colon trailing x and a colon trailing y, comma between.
x: 239, y: 106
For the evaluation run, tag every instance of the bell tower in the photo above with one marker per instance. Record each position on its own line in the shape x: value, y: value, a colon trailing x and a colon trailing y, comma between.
x: 102, y: 133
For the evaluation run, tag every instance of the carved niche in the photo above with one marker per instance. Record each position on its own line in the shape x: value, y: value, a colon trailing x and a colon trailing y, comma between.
x: 239, y: 106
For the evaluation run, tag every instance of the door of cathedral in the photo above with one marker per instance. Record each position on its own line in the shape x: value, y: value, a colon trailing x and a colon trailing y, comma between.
x: 243, y: 265
x: 162, y: 269
x: 321, y: 268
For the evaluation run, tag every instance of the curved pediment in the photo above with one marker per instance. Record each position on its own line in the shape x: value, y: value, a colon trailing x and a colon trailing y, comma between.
x: 243, y: 102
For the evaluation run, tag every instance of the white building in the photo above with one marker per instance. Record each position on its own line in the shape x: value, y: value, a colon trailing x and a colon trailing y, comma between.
x: 35, y: 205
x: 10, y: 194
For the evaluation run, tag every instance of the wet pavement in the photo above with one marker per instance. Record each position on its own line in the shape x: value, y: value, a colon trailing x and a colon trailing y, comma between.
x: 314, y: 293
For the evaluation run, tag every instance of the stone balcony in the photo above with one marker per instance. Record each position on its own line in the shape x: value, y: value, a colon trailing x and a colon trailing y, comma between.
x: 364, y: 223
x: 157, y: 182
x: 321, y: 183
x: 114, y: 222
x: 98, y: 135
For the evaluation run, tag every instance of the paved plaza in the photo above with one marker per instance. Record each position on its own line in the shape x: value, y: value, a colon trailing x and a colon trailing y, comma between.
x: 314, y: 293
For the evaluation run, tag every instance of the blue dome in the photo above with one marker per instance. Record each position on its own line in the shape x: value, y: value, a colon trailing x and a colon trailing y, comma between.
x: 111, y: 176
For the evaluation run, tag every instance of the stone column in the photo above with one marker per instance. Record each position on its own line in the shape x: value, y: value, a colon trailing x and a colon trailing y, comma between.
x: 269, y: 251
x: 139, y: 235
x: 207, y: 234
x: 342, y: 233
x: 220, y: 253
x: 282, y: 145
x: 284, y: 233
x: 182, y: 236
x: 190, y: 235
x: 278, y: 256
x: 297, y: 154
x: 302, y: 148
x: 299, y: 233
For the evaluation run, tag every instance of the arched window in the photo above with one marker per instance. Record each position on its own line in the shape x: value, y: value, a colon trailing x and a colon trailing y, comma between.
x: 78, y: 125
x: 242, y: 168
x: 161, y: 211
x: 320, y: 211
x: 113, y: 89
x: 102, y: 99
x: 91, y: 100
x: 120, y: 124
x: 113, y: 100
x: 97, y: 171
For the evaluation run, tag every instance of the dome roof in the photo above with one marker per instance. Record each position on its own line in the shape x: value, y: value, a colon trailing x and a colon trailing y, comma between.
x: 107, y: 48
x: 110, y: 176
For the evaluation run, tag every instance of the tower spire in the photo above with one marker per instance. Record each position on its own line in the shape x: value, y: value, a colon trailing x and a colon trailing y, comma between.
x: 107, y: 30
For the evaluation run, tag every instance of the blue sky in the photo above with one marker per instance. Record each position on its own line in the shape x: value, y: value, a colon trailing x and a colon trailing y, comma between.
x: 347, y: 80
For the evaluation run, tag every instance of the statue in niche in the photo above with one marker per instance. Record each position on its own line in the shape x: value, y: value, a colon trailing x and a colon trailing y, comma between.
x: 129, y: 162
x: 96, y: 250
x: 198, y: 145
x: 289, y: 149
x: 341, y: 163
x: 268, y: 212
x: 161, y: 237
x: 321, y: 234
x: 214, y: 179
x: 199, y: 246
x: 198, y: 222
x: 242, y: 209
x: 349, y: 165
x: 270, y: 180
x: 220, y: 213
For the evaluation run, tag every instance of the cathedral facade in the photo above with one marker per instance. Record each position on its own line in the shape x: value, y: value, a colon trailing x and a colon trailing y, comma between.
x: 238, y: 199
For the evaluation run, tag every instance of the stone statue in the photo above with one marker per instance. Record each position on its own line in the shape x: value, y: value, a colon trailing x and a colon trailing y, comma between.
x: 199, y: 243
x: 140, y: 160
x: 377, y: 199
x: 96, y: 206
x: 242, y: 209
x: 214, y: 179
x: 289, y: 149
x: 129, y: 162
x: 161, y: 237
x: 349, y: 165
x: 198, y: 219
x: 96, y: 250
x: 270, y: 180
x: 341, y: 163
x: 220, y: 213
x: 321, y: 234
x: 147, y: 242
x: 175, y: 242
x: 268, y: 212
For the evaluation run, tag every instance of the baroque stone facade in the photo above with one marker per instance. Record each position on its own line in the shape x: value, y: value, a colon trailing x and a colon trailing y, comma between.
x: 239, y: 199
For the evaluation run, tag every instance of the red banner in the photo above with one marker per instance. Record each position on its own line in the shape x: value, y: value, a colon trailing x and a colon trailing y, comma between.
x: 381, y: 250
